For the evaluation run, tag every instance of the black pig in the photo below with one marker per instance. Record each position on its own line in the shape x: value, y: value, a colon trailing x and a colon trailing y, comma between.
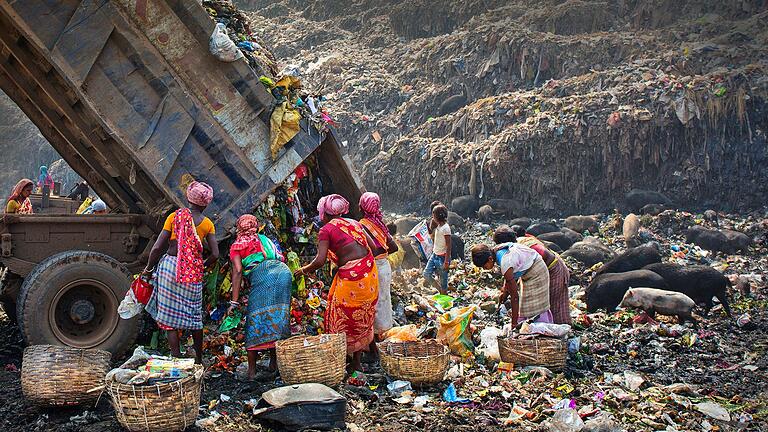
x: 699, y: 282
x: 632, y: 259
x: 607, y: 290
x: 541, y: 228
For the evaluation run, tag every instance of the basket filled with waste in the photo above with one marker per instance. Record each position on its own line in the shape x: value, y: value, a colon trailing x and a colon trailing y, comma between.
x: 549, y: 352
x: 536, y: 344
x: 54, y: 375
x: 154, y: 393
x: 312, y: 359
x: 422, y: 362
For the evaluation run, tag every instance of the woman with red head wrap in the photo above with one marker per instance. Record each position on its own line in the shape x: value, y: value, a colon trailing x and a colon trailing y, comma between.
x: 18, y: 201
x: 256, y: 257
x: 373, y: 222
x: 176, y: 302
x: 355, y: 289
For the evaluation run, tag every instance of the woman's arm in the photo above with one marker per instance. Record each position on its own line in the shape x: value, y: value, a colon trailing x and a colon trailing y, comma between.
x: 213, y: 245
x: 237, y: 277
x: 392, y: 246
x: 514, y: 293
x: 447, y: 260
x: 371, y: 242
x: 320, y: 258
x: 158, y: 249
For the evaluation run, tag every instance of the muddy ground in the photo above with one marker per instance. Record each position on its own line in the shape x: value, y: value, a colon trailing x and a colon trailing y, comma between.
x: 721, y: 362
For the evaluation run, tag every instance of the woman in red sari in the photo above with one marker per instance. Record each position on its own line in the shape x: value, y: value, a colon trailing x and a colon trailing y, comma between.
x: 355, y: 289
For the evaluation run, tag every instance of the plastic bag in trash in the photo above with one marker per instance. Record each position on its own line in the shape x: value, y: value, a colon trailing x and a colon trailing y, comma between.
x: 222, y: 46
x: 138, y: 358
x: 406, y: 333
x: 455, y: 331
x: 489, y: 343
x: 130, y: 306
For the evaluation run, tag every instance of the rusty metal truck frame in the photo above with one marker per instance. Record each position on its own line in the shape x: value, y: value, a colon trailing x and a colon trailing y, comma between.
x: 128, y: 94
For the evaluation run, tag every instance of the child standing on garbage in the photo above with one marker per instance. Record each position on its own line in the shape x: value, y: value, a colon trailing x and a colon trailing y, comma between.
x: 441, y: 253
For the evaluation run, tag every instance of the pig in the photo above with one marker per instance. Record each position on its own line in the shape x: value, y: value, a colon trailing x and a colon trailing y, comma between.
x: 632, y: 259
x: 699, y: 282
x: 590, y: 252
x: 457, y: 247
x: 737, y: 241
x: 465, y: 205
x: 652, y: 209
x: 607, y: 290
x: 405, y: 224
x: 521, y: 221
x: 564, y: 239
x: 541, y: 228
x: 630, y: 229
x: 653, y: 300
x: 637, y: 198
x: 455, y: 221
x: 507, y: 207
x: 708, y: 239
x: 411, y: 259
x: 572, y: 235
x: 552, y: 246
x: 711, y: 216
x: 582, y: 223
x: 485, y: 213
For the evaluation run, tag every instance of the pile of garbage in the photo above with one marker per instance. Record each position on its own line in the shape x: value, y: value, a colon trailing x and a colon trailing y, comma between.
x: 143, y: 369
x: 593, y: 103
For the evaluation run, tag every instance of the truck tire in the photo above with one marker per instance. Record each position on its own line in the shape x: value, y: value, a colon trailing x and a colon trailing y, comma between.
x: 71, y: 299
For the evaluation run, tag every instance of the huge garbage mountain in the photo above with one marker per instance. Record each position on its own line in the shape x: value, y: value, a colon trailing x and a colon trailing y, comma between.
x: 561, y: 105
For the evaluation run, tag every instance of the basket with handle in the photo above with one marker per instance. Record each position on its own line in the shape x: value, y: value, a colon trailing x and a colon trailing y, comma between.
x: 422, y: 362
x: 312, y: 359
x: 54, y: 375
x: 538, y: 351
x: 162, y: 407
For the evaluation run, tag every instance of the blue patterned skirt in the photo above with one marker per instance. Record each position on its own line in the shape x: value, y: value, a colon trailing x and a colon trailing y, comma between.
x: 269, y: 305
x: 175, y: 305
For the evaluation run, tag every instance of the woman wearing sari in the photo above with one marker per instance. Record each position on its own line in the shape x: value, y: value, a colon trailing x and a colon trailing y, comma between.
x: 384, y: 244
x: 176, y: 302
x: 526, y: 279
x: 269, y: 302
x: 18, y: 201
x: 355, y: 289
x: 559, y: 275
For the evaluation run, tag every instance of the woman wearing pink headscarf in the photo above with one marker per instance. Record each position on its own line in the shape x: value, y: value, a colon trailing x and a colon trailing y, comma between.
x: 355, y: 289
x: 384, y: 244
x: 176, y: 302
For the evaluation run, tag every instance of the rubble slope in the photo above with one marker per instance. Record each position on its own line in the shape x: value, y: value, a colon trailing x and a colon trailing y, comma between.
x: 567, y: 105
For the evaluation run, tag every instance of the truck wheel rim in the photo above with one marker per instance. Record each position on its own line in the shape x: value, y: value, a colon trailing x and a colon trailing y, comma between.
x: 82, y: 314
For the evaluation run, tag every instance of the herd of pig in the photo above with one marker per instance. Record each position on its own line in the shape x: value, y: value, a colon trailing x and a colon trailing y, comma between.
x: 635, y: 278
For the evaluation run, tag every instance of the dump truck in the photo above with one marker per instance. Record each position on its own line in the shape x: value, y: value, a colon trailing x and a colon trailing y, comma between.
x: 129, y: 95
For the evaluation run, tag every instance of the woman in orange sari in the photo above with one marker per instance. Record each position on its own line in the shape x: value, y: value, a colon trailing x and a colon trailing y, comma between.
x: 355, y: 289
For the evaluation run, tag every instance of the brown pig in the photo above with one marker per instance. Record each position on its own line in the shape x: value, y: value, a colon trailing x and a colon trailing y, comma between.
x: 653, y: 300
x: 630, y: 229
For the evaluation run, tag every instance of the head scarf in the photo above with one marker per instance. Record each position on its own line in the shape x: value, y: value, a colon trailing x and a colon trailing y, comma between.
x: 199, y: 193
x: 247, y: 226
x: 99, y: 205
x: 332, y: 205
x: 370, y: 204
x: 16, y: 193
x: 44, y: 179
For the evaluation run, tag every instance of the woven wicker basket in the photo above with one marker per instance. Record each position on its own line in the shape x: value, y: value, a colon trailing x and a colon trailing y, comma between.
x: 164, y: 407
x: 421, y: 362
x: 312, y: 359
x: 53, y: 375
x: 541, y: 351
